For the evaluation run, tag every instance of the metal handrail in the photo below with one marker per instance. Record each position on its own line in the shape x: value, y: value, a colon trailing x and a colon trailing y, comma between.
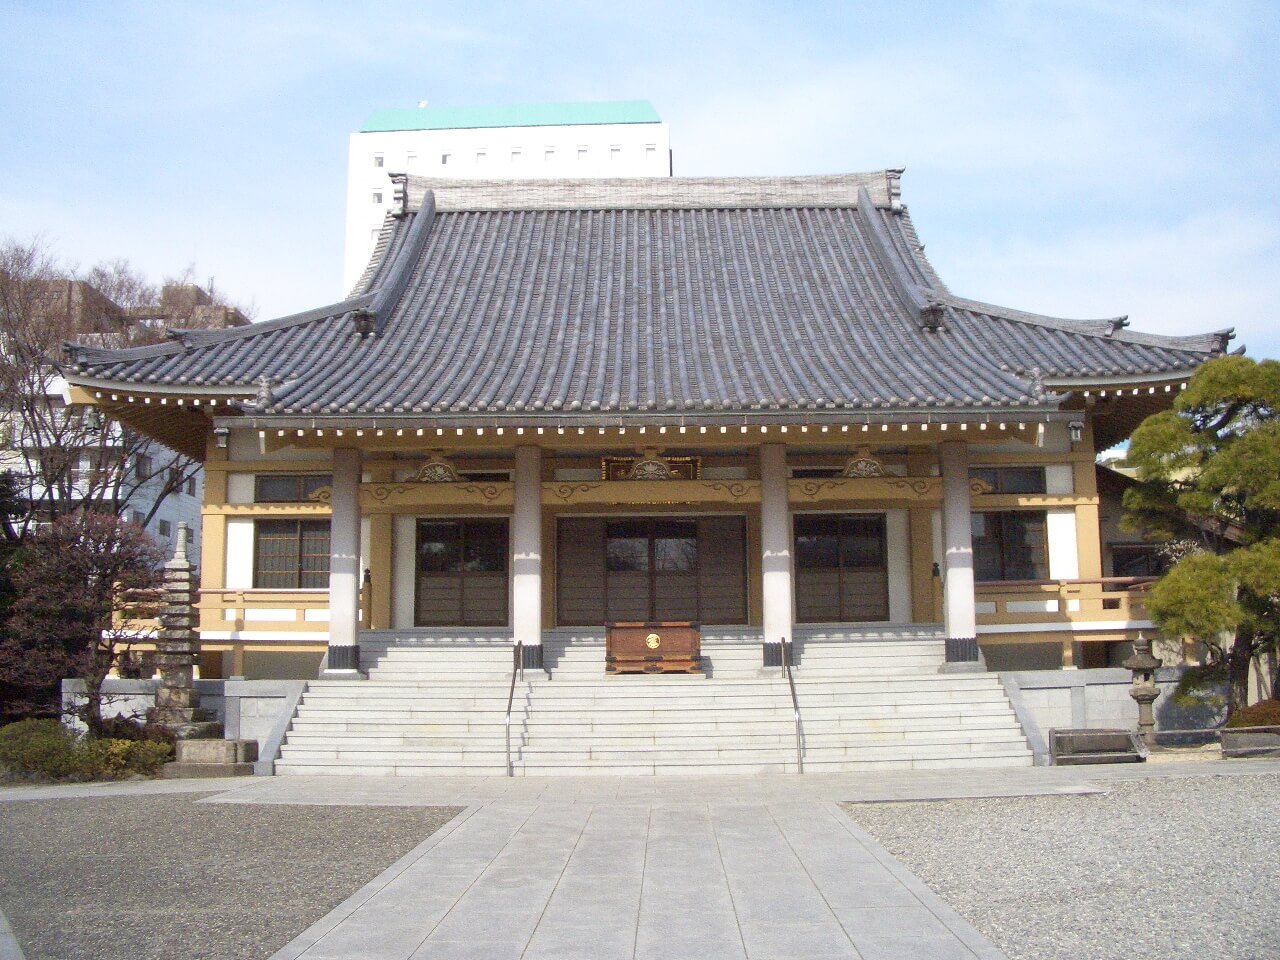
x: 517, y: 667
x: 795, y: 703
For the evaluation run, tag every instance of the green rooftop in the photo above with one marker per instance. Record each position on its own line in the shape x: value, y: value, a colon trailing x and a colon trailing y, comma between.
x: 511, y: 115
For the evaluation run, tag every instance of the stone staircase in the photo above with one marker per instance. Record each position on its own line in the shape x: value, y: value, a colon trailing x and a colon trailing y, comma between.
x: 435, y: 706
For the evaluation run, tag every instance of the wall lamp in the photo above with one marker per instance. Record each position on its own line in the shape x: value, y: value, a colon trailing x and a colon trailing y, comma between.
x: 220, y: 435
x: 1077, y: 431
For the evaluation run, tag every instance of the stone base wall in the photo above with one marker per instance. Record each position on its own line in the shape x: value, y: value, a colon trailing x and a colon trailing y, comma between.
x: 248, y: 709
x: 1047, y: 699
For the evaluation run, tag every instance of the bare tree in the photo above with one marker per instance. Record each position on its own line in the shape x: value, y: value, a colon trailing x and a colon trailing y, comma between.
x: 68, y: 459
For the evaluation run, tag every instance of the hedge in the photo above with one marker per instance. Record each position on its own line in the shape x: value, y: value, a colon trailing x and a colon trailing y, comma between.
x: 47, y: 749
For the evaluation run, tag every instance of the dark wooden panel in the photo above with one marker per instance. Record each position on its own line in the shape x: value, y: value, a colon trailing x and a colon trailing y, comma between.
x: 439, y: 600
x: 675, y: 596
x: 866, y: 595
x: 722, y: 570
x: 627, y: 595
x: 580, y: 571
x: 818, y: 594
x: 484, y: 599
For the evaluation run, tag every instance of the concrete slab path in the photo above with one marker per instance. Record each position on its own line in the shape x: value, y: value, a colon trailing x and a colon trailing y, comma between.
x: 519, y: 880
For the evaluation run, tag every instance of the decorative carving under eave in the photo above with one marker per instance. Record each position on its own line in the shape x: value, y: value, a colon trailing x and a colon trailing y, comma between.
x: 437, y: 469
x: 863, y: 464
x: 383, y: 496
x: 643, y: 493
x: 323, y: 495
x: 866, y: 488
x: 980, y: 488
x: 650, y: 465
x: 568, y: 491
x: 736, y: 489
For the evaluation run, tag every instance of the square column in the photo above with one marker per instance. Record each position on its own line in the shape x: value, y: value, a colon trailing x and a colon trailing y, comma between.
x: 344, y: 566
x: 778, y: 589
x: 526, y: 555
x: 957, y: 566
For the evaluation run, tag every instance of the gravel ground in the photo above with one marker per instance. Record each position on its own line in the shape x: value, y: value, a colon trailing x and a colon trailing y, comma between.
x: 162, y: 876
x: 1184, y: 868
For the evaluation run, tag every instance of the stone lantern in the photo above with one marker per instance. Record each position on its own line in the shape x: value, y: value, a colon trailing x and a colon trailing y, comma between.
x: 1144, y: 690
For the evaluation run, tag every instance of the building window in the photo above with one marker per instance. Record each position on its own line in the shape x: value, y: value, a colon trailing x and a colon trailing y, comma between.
x: 289, y: 487
x: 141, y: 466
x: 1137, y: 560
x: 582, y: 154
x: 411, y: 158
x: 841, y: 568
x: 1010, y: 479
x: 481, y: 155
x: 650, y: 151
x: 377, y: 159
x: 549, y: 154
x: 615, y: 152
x: 191, y: 486
x: 291, y: 554
x: 164, y: 528
x: 444, y: 158
x: 515, y: 156
x: 1010, y: 545
x: 377, y: 196
x: 461, y: 573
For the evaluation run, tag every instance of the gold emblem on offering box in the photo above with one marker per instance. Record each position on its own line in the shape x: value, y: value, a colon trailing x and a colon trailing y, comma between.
x: 653, y: 641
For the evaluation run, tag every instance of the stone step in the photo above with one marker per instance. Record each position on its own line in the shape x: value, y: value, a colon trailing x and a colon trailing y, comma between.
x: 380, y: 754
x: 782, y: 737
x: 563, y: 725
x: 642, y: 684
x: 614, y: 768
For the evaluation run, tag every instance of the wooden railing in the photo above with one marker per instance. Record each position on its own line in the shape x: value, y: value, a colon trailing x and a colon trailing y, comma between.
x: 1104, y: 599
x: 283, y: 611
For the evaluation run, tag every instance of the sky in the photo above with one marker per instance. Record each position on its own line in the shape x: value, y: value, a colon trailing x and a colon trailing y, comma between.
x: 1081, y: 159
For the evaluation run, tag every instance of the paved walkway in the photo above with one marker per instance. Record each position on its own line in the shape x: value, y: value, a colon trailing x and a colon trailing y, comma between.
x: 695, y: 868
x: 685, y: 881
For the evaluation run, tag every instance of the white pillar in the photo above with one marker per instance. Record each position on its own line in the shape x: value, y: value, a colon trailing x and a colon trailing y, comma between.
x: 775, y: 544
x: 344, y: 565
x: 526, y: 554
x: 957, y: 567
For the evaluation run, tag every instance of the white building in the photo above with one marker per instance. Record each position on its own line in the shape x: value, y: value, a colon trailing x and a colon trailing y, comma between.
x: 623, y: 138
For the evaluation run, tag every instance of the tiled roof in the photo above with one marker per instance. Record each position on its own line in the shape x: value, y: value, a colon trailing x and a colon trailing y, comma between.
x: 616, y: 298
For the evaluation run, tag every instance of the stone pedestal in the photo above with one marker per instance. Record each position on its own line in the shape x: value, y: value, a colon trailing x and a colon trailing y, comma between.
x: 213, y: 758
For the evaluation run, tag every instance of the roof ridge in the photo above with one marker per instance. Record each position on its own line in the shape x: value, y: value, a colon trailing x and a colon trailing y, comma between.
x: 658, y: 193
x: 187, y: 340
x: 1108, y: 328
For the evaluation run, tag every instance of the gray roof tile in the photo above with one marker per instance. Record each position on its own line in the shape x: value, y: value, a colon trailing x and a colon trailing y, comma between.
x: 713, y: 298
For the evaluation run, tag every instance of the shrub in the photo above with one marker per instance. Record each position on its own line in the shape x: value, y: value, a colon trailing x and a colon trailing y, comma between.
x: 1264, y: 713
x: 41, y: 747
x: 44, y: 748
x: 129, y: 728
